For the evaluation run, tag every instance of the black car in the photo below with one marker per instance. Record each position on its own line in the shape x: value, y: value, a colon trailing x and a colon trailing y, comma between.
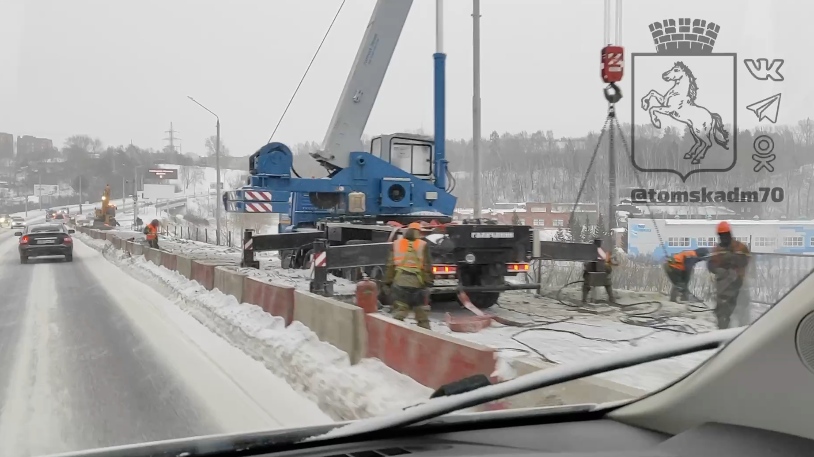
x: 49, y: 239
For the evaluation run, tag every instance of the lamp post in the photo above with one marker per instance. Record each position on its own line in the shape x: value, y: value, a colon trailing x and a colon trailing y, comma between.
x: 217, y: 169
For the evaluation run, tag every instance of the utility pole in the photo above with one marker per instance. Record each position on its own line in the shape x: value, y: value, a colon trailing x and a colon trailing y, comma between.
x: 135, y: 195
x: 217, y: 170
x: 611, y: 190
x: 217, y: 181
x: 476, y: 135
x: 80, y: 194
x: 40, y: 180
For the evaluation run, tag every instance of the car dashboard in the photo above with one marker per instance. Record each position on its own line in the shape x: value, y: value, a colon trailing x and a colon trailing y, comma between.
x: 590, y: 438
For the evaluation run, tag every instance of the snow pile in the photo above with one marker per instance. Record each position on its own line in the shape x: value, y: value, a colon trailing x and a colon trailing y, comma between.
x: 318, y: 370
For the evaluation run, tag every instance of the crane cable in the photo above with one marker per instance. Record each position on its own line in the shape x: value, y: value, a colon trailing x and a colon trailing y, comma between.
x: 306, y: 72
x: 613, y: 94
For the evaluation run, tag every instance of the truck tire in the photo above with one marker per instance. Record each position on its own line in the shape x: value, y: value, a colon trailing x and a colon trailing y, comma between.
x: 353, y: 274
x: 483, y: 300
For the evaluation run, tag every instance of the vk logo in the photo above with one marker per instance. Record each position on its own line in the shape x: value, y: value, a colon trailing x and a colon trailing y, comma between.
x: 762, y: 70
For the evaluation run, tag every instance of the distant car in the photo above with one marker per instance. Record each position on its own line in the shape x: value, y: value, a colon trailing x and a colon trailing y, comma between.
x: 59, y: 217
x: 45, y: 240
x: 17, y: 223
x: 5, y: 220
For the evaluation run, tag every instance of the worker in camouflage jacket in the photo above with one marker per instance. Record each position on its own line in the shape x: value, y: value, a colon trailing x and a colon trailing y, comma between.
x: 604, y: 261
x: 409, y: 276
x: 729, y: 262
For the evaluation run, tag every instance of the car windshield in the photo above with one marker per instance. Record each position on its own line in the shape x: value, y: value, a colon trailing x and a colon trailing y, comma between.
x: 557, y: 222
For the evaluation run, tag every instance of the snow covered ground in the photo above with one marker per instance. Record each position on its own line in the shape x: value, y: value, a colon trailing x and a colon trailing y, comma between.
x: 316, y: 369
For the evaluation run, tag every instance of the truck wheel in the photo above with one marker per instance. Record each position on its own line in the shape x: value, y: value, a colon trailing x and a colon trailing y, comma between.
x: 484, y: 300
x: 485, y: 277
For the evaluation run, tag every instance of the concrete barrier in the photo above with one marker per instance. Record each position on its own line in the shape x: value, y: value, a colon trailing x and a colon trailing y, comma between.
x: 183, y: 265
x: 204, y: 273
x: 586, y: 390
x: 169, y: 260
x: 153, y: 255
x: 230, y: 282
x: 430, y: 358
x: 137, y: 248
x: 334, y: 322
x: 274, y: 299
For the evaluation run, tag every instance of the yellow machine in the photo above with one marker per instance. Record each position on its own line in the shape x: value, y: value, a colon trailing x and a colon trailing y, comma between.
x: 106, y: 216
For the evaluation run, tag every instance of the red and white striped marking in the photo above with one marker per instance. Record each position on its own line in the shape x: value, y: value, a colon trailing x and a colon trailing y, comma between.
x: 258, y: 207
x: 248, y: 244
x: 258, y: 196
x: 321, y: 260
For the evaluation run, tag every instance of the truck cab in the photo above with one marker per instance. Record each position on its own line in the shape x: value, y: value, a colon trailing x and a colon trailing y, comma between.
x: 409, y: 152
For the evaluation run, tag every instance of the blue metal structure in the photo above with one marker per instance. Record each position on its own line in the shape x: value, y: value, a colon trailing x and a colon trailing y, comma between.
x: 402, y: 178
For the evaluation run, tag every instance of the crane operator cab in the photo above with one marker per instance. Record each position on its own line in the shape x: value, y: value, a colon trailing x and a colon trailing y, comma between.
x: 409, y: 152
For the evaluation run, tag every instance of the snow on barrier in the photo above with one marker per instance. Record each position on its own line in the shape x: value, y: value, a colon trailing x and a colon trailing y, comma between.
x: 135, y: 248
x: 334, y: 322
x: 169, y: 261
x: 204, y: 273
x: 230, y: 282
x: 153, y: 255
x: 183, y: 265
x: 430, y: 358
x: 275, y: 299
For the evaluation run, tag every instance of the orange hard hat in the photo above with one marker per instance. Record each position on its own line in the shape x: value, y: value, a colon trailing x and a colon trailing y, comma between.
x: 414, y: 225
x: 723, y: 227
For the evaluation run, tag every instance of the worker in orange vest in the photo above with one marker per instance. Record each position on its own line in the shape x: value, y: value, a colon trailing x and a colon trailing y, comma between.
x: 679, y: 269
x: 151, y: 230
x: 729, y: 262
x: 409, y: 276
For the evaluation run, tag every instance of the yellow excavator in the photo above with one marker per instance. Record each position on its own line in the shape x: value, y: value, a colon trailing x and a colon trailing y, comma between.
x: 106, y: 216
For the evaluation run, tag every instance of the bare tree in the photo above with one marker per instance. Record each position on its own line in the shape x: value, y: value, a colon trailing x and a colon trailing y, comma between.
x: 210, y: 146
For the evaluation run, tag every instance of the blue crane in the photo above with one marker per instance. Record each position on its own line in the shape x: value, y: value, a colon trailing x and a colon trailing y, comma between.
x: 403, y: 178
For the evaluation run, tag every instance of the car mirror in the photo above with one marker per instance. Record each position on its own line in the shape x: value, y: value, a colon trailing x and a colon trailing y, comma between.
x: 18, y: 233
x: 71, y: 231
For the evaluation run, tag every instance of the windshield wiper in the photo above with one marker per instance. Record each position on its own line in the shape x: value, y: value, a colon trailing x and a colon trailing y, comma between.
x: 562, y: 373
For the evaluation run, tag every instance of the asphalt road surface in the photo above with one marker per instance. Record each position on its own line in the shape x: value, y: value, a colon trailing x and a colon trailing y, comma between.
x: 90, y: 357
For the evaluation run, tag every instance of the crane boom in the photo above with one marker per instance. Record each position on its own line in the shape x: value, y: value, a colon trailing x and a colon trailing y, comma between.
x: 362, y: 86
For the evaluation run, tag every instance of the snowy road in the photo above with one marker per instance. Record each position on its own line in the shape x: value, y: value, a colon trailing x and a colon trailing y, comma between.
x: 90, y: 357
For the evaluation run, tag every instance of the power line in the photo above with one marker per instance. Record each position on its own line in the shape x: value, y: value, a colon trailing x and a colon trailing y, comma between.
x: 306, y: 70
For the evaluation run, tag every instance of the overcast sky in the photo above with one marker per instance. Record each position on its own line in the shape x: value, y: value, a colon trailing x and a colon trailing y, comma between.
x: 121, y: 70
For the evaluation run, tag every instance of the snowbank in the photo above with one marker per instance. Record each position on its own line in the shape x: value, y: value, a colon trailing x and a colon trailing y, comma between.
x: 316, y: 369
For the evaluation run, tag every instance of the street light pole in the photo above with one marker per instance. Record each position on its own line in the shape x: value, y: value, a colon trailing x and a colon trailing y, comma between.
x: 40, y: 174
x: 217, y: 170
x: 476, y: 115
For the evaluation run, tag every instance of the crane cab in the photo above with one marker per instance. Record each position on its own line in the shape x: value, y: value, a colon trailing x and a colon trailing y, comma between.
x: 409, y: 152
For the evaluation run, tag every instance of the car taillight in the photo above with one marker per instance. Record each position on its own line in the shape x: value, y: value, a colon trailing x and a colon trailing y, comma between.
x: 517, y: 267
x: 67, y: 240
x: 24, y: 239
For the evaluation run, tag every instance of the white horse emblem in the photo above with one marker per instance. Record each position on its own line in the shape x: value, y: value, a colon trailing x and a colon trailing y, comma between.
x: 679, y: 103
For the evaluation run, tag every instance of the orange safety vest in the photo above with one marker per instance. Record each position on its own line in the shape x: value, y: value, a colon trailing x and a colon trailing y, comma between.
x: 408, y: 256
x: 151, y: 232
x: 677, y: 260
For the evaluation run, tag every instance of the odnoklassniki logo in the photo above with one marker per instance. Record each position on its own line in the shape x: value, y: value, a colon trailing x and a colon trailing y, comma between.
x: 688, y: 88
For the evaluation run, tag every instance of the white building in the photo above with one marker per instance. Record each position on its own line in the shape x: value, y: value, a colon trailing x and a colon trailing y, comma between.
x: 785, y: 237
